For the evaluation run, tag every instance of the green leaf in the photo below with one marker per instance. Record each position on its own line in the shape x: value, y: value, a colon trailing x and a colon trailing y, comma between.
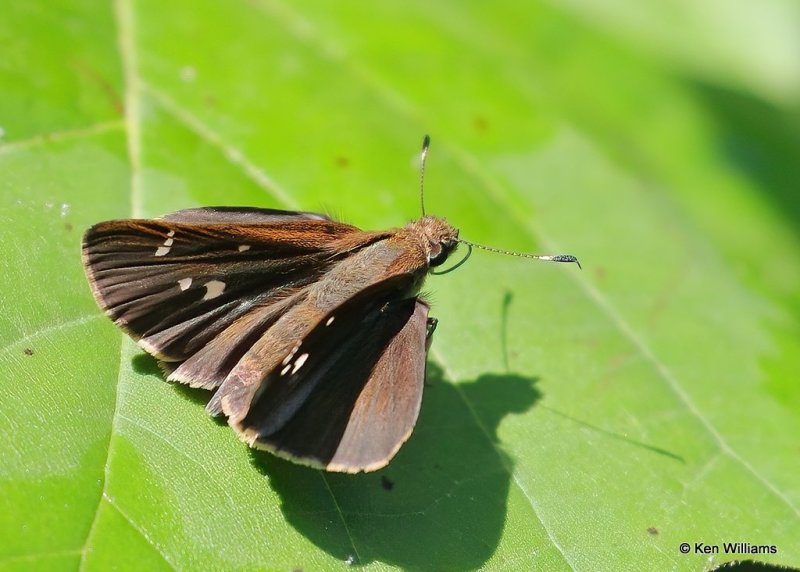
x: 576, y: 420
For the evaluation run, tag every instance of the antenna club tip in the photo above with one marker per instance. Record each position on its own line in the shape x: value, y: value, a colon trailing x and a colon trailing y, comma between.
x: 566, y: 258
x: 426, y: 142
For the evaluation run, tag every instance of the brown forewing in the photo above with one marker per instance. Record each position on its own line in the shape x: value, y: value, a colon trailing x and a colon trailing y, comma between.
x: 177, y: 283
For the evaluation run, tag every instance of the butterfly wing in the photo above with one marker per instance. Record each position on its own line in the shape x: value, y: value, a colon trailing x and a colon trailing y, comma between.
x: 387, y: 408
x: 197, y: 276
x: 239, y: 215
x: 367, y: 372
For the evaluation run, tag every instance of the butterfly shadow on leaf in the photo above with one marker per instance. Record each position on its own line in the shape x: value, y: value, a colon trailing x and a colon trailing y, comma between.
x: 441, y: 503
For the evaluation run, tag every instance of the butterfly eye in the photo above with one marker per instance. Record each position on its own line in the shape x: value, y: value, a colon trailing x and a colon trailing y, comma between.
x: 439, y: 254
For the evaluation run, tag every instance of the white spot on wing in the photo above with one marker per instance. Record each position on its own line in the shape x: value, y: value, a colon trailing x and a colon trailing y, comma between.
x: 184, y: 284
x: 244, y: 247
x: 285, y: 370
x: 289, y: 357
x: 299, y: 363
x: 330, y: 321
x: 162, y: 250
x: 213, y: 289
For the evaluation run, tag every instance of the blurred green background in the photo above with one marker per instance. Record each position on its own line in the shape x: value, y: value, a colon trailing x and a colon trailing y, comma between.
x: 575, y: 420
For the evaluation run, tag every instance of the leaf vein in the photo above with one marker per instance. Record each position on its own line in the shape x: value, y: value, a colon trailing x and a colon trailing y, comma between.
x: 182, y: 453
x: 96, y: 519
x: 511, y: 473
x: 123, y: 13
x: 674, y: 385
x: 341, y: 516
x: 55, y: 136
x: 231, y: 153
x: 40, y: 556
x: 139, y: 529
x: 49, y: 330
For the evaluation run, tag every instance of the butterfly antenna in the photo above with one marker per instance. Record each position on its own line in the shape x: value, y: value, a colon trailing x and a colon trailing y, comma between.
x: 426, y: 142
x: 548, y: 257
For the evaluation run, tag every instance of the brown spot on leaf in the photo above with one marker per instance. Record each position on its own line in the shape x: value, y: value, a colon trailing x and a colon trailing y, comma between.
x: 600, y: 273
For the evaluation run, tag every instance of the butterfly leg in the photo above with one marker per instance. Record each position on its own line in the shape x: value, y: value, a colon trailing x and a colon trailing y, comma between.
x: 431, y: 327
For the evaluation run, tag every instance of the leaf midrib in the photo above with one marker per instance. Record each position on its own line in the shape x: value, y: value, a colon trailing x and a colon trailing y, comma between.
x: 124, y: 17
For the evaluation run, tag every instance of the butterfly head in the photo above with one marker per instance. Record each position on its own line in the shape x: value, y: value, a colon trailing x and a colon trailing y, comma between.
x: 439, y: 238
